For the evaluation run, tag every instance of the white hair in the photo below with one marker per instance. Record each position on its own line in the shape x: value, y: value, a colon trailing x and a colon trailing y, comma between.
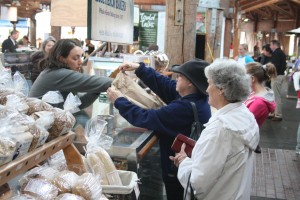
x: 229, y: 75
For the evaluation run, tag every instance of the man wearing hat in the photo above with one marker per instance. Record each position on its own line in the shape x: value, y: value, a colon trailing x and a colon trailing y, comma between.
x: 174, y: 118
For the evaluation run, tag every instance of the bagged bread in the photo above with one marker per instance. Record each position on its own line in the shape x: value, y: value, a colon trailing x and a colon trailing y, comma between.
x: 37, y: 105
x: 22, y: 197
x: 63, y: 123
x: 134, y: 93
x: 64, y: 181
x: 42, y: 172
x: 23, y: 141
x: 16, y: 102
x: 7, y: 149
x: 39, y: 136
x: 68, y: 196
x: 40, y: 189
x: 4, y: 92
x: 88, y: 186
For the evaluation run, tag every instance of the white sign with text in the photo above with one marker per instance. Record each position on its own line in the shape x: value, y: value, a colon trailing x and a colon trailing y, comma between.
x: 112, y: 20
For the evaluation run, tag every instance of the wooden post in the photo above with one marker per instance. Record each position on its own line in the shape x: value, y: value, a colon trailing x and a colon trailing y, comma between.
x: 32, y: 31
x: 180, y: 39
x: 227, y: 37
x: 214, y: 23
x: 236, y: 30
x: 56, y: 32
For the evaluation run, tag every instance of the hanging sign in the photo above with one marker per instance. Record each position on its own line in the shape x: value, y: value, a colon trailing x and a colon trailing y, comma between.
x: 148, y: 29
x: 111, y: 20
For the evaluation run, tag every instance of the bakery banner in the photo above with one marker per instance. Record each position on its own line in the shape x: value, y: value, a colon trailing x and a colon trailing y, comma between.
x: 111, y: 20
x: 148, y: 29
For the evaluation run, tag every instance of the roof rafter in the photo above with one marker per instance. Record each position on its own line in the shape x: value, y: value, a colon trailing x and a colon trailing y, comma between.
x: 262, y: 3
x: 275, y: 7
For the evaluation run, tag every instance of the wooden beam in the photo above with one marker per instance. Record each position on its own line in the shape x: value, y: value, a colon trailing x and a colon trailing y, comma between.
x: 275, y: 7
x: 295, y: 1
x: 262, y: 13
x: 259, y: 5
x: 249, y: 3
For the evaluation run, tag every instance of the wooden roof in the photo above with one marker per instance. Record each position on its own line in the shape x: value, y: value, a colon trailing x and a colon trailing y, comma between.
x: 27, y: 8
x: 279, y: 10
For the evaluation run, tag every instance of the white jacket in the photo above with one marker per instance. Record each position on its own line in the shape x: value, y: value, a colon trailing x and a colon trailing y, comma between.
x: 222, y: 160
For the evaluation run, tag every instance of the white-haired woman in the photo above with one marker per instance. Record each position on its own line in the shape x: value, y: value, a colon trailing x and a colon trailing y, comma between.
x: 222, y: 160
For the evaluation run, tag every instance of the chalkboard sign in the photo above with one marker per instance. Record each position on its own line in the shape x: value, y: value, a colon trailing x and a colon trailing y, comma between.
x: 148, y: 29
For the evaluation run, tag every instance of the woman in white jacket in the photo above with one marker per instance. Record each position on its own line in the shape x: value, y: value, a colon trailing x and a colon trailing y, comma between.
x: 221, y: 164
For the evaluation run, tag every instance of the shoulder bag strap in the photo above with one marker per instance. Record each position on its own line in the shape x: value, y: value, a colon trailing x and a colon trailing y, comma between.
x: 188, y: 185
x: 195, y: 134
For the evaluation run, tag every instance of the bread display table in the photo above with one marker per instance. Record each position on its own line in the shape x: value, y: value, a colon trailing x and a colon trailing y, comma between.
x: 28, y: 161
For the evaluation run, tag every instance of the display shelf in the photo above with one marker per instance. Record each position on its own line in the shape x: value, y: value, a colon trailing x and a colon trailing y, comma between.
x: 26, y: 162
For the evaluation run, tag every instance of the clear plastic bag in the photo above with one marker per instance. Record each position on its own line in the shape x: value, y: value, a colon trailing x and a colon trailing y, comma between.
x: 97, y: 158
x: 16, y: 102
x: 53, y: 97
x: 37, y: 105
x: 20, y: 83
x: 64, y: 119
x: 88, y: 186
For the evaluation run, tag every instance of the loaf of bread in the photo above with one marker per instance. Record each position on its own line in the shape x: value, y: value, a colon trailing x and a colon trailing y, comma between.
x: 63, y: 123
x: 41, y: 172
x: 23, y: 141
x: 7, y: 149
x: 64, y: 181
x: 68, y: 196
x: 37, y: 105
x: 96, y: 166
x: 88, y: 186
x: 16, y: 102
x: 4, y: 92
x: 39, y: 135
x: 40, y: 189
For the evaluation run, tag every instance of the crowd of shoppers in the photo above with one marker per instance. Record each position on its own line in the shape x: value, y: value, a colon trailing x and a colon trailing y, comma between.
x: 222, y: 160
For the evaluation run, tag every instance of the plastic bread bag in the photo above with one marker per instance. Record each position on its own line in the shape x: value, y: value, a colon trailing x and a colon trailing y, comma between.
x: 17, y: 119
x: 97, y: 159
x: 57, y: 161
x: 37, y: 105
x: 39, y: 130
x: 65, y: 181
x: 64, y: 119
x: 94, y: 130
x: 5, y: 80
x: 16, y: 102
x: 88, y: 186
x: 5, y: 112
x: 69, y: 196
x: 8, y: 148
x: 42, y: 172
x: 40, y: 189
x: 20, y: 83
x: 53, y: 97
x: 4, y: 92
x: 22, y: 197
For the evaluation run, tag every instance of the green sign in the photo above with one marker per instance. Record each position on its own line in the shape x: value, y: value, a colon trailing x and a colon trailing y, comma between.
x: 148, y: 29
